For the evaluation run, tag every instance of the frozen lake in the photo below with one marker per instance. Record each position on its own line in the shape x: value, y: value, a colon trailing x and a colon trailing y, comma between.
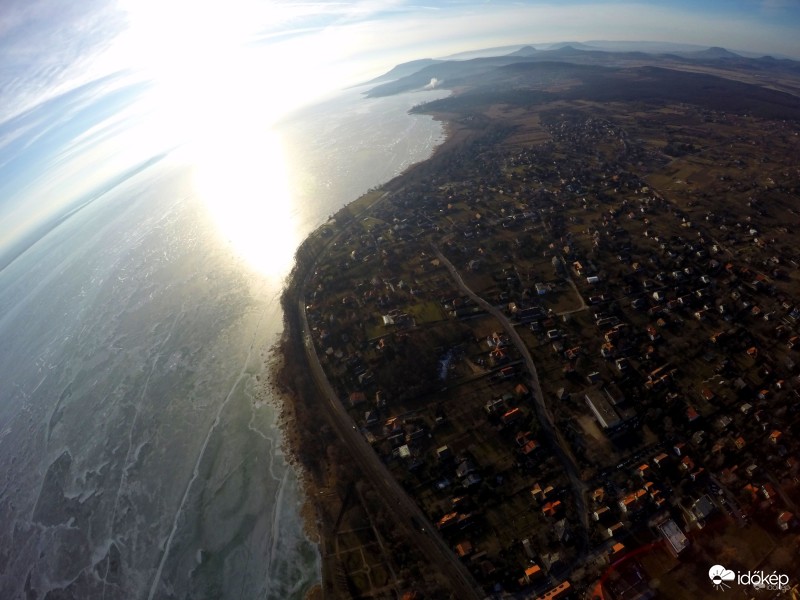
x: 139, y: 453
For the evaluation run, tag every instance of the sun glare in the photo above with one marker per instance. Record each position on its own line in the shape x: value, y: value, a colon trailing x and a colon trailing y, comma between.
x: 242, y: 179
x: 216, y: 96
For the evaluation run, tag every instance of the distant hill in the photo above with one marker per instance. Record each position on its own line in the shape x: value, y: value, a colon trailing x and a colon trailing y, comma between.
x: 520, y: 85
x: 642, y: 46
x: 525, y: 51
x: 714, y: 53
x: 571, y: 45
x: 451, y: 74
x: 404, y: 70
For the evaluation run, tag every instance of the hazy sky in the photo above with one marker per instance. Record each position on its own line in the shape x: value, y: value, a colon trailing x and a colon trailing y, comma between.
x: 92, y: 88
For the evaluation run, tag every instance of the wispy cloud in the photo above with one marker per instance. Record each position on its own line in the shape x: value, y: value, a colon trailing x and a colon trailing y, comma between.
x: 47, y: 51
x: 74, y: 80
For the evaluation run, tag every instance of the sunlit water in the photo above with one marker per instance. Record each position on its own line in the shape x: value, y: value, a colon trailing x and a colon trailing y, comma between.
x: 139, y: 453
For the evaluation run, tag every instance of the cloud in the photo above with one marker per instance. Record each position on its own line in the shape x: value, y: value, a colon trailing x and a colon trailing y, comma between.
x: 44, y: 51
x: 72, y: 111
x: 717, y: 574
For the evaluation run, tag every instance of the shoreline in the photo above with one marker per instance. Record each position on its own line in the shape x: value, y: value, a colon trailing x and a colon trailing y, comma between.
x: 319, y: 478
x: 286, y: 421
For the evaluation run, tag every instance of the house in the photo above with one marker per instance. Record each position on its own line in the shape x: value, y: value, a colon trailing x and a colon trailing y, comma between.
x: 522, y: 438
x: 768, y: 491
x: 661, y: 460
x: 357, y: 398
x: 785, y: 520
x: 532, y: 573
x: 494, y: 405
x: 448, y: 520
x: 617, y: 550
x: 443, y: 453
x: 602, y: 514
x: 702, y: 508
x: 464, y: 548
x: 551, y: 509
x: 472, y: 480
x: 697, y: 475
x: 536, y: 492
x: 751, y: 491
x: 511, y: 416
x: 465, y: 521
x: 465, y: 468
x: 723, y: 421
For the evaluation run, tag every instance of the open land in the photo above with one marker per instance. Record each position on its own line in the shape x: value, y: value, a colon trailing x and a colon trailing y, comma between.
x: 564, y: 350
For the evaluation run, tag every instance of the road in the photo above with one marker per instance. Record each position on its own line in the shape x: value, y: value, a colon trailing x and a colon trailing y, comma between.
x: 550, y: 431
x: 574, y: 287
x: 409, y: 516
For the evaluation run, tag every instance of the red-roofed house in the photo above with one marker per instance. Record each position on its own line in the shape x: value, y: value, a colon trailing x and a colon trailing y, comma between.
x: 785, y: 520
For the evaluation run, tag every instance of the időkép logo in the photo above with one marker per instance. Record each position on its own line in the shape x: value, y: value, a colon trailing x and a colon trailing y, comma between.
x: 722, y: 579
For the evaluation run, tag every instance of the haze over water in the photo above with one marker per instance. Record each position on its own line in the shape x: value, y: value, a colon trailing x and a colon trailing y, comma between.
x: 139, y: 454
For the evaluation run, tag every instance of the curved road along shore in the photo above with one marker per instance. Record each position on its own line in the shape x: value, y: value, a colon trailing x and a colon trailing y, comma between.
x: 558, y: 443
x: 419, y: 531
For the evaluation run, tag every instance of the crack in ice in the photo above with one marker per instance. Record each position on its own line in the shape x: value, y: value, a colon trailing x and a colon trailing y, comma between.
x: 196, y: 469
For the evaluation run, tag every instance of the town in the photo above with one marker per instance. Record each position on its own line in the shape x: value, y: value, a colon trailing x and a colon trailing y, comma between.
x: 572, y: 338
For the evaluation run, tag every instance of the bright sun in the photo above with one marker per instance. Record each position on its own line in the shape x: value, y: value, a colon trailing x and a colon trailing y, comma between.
x: 217, y: 97
x: 243, y: 181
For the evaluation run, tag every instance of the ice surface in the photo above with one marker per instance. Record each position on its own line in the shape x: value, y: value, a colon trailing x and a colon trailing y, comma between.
x: 134, y: 433
x: 138, y: 454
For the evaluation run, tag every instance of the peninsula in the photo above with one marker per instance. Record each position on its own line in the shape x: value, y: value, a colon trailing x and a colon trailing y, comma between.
x: 560, y: 358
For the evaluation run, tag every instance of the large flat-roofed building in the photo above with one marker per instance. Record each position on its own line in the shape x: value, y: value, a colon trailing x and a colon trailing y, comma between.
x: 561, y: 590
x: 677, y: 542
x: 602, y: 409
